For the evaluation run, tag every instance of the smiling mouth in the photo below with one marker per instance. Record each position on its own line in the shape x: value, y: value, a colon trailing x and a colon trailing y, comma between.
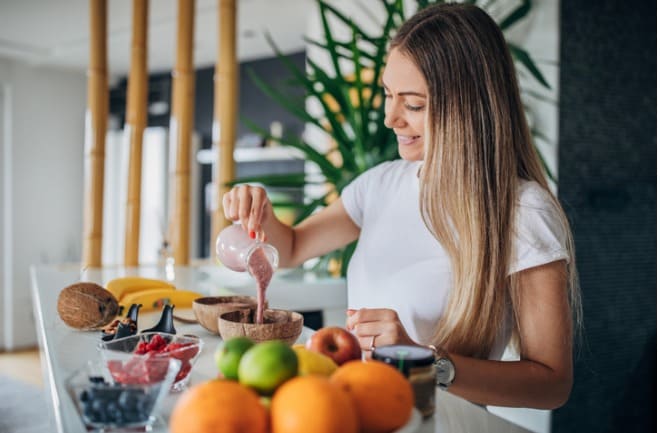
x: 407, y: 139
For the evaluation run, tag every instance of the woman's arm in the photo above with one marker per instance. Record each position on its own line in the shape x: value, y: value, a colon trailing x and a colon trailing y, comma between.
x: 322, y: 232
x: 544, y: 375
x: 541, y: 379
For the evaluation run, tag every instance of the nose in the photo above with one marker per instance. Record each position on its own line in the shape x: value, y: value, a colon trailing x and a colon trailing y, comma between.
x: 393, y: 118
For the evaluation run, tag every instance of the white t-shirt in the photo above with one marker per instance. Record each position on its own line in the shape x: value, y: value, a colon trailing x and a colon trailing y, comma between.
x: 399, y: 265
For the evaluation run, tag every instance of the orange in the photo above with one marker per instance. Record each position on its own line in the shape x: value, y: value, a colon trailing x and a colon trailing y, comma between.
x: 219, y: 406
x: 382, y: 396
x: 312, y: 404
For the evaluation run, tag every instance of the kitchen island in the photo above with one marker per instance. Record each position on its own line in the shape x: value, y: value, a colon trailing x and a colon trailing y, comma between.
x: 64, y: 350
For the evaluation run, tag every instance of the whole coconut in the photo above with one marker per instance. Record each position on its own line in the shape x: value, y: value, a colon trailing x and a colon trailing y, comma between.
x: 86, y: 306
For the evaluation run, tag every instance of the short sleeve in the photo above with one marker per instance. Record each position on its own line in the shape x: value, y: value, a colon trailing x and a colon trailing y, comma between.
x: 540, y: 236
x: 353, y: 198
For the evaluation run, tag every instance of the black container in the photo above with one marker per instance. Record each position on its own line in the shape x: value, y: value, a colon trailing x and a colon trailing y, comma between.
x: 416, y: 363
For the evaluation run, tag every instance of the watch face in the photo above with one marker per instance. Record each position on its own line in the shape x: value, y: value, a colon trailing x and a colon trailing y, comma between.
x: 444, y: 372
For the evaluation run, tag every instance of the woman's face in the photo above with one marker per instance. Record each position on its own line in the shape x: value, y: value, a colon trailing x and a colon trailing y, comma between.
x: 405, y: 104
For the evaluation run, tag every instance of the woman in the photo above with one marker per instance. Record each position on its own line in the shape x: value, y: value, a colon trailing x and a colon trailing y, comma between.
x: 461, y: 244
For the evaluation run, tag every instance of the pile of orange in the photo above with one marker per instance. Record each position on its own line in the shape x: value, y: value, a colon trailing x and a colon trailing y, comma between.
x: 359, y: 397
x: 219, y: 406
x: 382, y: 396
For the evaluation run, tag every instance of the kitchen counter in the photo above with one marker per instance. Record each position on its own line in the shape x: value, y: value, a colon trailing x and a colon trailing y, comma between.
x: 64, y: 349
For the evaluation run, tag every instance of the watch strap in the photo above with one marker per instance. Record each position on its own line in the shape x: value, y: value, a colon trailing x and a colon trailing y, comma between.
x: 443, y: 363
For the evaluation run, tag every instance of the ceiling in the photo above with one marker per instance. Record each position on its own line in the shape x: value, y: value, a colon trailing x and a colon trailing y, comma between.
x: 56, y: 32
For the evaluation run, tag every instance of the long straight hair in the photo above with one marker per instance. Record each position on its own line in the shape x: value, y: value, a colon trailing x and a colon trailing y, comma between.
x: 478, y: 147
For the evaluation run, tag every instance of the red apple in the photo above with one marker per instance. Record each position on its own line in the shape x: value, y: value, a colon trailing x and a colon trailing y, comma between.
x: 335, y: 342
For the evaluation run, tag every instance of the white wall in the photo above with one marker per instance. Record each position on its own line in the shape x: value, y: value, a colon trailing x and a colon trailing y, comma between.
x: 44, y: 207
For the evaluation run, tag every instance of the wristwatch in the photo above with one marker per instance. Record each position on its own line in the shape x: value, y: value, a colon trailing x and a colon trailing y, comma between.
x: 445, y: 372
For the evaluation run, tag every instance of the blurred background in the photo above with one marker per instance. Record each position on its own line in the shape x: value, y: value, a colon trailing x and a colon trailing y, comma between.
x: 597, y: 125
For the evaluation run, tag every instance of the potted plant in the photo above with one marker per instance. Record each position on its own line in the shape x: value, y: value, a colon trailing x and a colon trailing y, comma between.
x: 350, y: 108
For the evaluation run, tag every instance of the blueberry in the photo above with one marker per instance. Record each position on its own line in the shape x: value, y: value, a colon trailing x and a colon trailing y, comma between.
x: 96, y: 379
x: 144, y: 404
x: 84, y: 396
x: 112, y: 407
x: 132, y: 416
x: 127, y: 399
x: 88, y: 412
x: 98, y: 405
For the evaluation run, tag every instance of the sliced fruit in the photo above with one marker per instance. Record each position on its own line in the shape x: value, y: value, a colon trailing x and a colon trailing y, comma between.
x: 125, y: 285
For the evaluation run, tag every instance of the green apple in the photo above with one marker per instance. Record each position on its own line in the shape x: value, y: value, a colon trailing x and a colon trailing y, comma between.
x: 228, y: 355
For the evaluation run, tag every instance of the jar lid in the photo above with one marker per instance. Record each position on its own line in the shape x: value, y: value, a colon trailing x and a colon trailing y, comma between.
x: 403, y: 357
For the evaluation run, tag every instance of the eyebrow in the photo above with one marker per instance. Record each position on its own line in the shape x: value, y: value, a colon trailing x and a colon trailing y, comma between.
x: 407, y: 93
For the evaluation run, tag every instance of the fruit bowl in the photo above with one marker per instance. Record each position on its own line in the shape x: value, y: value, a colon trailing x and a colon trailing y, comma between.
x: 156, y: 345
x: 278, y: 325
x: 209, y: 308
x: 121, y: 394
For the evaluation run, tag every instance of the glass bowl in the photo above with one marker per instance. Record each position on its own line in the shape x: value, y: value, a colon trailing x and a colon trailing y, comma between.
x: 185, y: 348
x: 121, y: 395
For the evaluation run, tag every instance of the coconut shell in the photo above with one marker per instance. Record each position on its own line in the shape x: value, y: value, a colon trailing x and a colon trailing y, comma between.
x: 278, y: 325
x: 208, y: 309
x: 86, y: 306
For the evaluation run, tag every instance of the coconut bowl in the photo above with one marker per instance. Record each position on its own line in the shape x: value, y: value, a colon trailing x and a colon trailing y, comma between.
x: 209, y: 308
x: 278, y: 325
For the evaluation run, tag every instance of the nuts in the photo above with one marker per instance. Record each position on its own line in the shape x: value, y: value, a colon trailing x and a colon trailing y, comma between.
x: 86, y: 305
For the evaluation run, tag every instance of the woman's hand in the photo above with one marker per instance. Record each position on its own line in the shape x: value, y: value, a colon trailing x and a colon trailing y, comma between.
x: 249, y: 205
x: 377, y: 327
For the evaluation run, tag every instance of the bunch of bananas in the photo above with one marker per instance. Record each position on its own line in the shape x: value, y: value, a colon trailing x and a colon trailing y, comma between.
x: 151, y: 293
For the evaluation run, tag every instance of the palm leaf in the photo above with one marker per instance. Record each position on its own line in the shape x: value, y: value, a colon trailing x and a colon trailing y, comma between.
x: 523, y: 57
x: 309, y: 208
x: 329, y: 171
x: 519, y: 13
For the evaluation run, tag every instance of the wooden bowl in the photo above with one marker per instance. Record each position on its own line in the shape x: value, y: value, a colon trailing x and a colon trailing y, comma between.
x: 209, y: 308
x: 278, y: 325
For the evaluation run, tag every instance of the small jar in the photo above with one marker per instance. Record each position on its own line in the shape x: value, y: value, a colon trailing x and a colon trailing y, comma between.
x: 234, y: 248
x: 416, y: 363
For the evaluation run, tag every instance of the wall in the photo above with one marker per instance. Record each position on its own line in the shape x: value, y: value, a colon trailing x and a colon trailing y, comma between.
x: 44, y: 205
x: 608, y: 177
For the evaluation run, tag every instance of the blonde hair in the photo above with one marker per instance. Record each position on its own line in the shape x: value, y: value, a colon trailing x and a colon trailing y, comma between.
x: 478, y: 147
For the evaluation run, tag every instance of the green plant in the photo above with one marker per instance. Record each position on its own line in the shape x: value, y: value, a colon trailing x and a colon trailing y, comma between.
x: 351, y: 106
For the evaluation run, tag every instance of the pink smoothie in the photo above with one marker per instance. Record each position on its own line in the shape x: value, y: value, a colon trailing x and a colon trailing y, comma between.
x: 262, y: 271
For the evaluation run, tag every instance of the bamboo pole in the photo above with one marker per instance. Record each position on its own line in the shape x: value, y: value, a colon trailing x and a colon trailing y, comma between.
x: 96, y: 120
x: 136, y: 121
x: 225, y: 109
x: 181, y: 126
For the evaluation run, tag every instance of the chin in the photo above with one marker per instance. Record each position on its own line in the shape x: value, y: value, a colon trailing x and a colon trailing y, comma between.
x: 411, y: 154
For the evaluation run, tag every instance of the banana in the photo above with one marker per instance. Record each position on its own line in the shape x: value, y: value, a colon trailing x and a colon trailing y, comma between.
x: 154, y: 299
x: 120, y: 287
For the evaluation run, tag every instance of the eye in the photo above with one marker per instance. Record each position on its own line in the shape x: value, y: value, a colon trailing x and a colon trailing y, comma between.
x: 414, y: 107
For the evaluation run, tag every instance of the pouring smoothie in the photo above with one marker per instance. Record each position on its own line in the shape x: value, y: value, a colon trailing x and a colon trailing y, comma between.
x: 237, y: 251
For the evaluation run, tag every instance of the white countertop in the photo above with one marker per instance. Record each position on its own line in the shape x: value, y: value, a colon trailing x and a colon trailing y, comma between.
x: 65, y: 349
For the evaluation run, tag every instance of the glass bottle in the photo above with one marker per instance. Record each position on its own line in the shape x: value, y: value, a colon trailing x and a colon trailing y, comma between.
x: 234, y: 248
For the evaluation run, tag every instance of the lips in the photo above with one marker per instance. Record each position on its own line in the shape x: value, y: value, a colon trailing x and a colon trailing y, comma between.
x: 407, y: 140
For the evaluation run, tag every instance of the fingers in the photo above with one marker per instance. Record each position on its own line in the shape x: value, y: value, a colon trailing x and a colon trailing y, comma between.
x: 258, y: 196
x: 367, y: 343
x: 376, y: 327
x: 369, y: 315
x: 246, y: 204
